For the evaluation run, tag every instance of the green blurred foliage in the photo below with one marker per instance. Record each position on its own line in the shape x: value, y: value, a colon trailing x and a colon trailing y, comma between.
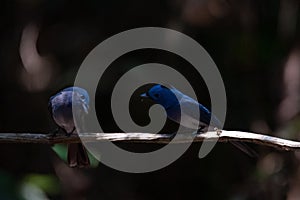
x: 47, y: 183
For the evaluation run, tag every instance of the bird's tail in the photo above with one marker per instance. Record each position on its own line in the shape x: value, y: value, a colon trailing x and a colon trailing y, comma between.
x: 77, y: 156
x: 245, y: 148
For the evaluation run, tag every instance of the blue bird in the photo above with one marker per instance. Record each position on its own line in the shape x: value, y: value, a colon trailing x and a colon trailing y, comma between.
x: 182, y: 107
x: 60, y: 107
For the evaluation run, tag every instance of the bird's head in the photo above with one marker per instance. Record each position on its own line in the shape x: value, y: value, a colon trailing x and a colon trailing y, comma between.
x: 162, y: 95
x: 80, y: 97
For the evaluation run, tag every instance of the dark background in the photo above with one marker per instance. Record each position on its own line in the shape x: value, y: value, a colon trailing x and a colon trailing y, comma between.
x: 255, y: 45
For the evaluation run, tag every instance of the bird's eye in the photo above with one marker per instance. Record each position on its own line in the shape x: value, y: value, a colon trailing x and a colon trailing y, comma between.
x: 82, y: 97
x: 156, y: 95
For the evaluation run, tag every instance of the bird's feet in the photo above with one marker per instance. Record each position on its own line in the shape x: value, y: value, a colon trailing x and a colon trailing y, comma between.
x: 68, y: 134
x: 59, y: 131
x: 54, y: 133
x: 219, y: 131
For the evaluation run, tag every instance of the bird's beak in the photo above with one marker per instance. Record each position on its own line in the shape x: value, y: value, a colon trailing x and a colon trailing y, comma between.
x: 144, y: 96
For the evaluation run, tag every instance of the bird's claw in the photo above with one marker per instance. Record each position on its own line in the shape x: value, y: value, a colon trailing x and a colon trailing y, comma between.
x: 219, y: 131
x: 68, y: 134
x: 54, y: 132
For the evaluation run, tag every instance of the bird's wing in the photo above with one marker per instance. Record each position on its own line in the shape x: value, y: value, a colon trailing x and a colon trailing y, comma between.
x: 190, y: 107
x: 50, y: 104
x: 191, y: 112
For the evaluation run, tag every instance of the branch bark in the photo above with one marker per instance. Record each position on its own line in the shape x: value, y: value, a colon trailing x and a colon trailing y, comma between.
x: 220, y: 136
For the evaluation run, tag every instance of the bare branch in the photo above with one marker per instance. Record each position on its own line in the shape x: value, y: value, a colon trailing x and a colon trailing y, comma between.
x: 220, y: 136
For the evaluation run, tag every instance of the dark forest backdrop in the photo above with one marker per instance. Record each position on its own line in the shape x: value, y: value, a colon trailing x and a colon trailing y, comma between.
x: 255, y: 45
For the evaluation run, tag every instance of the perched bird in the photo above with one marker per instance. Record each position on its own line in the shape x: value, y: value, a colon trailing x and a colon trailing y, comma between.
x: 182, y: 107
x: 60, y: 107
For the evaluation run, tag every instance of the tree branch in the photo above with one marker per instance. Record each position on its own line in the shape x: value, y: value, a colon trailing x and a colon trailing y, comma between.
x: 220, y: 136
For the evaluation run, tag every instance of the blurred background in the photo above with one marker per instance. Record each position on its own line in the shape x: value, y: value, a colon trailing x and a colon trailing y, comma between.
x: 255, y: 45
